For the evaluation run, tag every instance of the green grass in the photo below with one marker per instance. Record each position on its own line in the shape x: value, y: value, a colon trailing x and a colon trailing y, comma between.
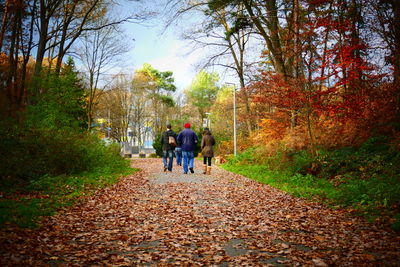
x: 301, y: 186
x: 373, y: 198
x: 26, y: 205
x: 364, y: 180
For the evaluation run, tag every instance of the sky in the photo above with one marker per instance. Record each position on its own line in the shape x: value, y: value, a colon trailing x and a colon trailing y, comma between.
x: 164, y: 51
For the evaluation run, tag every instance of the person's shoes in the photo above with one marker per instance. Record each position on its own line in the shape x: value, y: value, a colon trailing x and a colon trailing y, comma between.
x: 191, y: 170
x: 185, y: 173
x: 170, y: 170
x: 165, y: 169
x: 205, y: 169
x: 208, y: 170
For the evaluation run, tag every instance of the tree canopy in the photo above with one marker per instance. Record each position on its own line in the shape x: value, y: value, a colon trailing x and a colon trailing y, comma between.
x: 203, y: 91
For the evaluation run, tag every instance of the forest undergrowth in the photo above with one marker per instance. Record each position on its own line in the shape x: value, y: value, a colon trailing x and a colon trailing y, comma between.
x: 49, y: 159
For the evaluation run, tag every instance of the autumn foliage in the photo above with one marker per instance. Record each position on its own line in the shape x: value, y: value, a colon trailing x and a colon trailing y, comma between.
x: 333, y: 117
x: 339, y: 95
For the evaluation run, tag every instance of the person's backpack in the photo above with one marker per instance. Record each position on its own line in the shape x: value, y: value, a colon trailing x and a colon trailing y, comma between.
x: 171, y: 141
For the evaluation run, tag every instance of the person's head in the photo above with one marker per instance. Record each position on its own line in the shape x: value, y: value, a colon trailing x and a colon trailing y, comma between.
x: 187, y: 125
x: 169, y: 126
x: 206, y: 131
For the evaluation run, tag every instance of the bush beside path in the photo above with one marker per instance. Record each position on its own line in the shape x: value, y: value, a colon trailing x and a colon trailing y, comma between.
x: 163, y: 219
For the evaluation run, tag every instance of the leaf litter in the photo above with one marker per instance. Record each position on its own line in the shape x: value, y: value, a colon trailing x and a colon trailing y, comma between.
x: 152, y: 218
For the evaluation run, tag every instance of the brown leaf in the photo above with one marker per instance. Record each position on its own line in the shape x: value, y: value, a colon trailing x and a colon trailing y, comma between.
x: 319, y: 262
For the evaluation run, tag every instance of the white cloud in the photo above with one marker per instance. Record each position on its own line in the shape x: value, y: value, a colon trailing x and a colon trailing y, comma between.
x: 166, y: 53
x: 179, y: 62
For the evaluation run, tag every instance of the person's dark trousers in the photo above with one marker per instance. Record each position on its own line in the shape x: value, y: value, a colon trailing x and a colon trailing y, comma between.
x: 168, y: 158
x: 207, y: 160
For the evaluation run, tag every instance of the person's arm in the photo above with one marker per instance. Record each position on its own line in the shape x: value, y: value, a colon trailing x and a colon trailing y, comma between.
x: 212, y: 140
x: 202, y: 142
x: 196, y: 139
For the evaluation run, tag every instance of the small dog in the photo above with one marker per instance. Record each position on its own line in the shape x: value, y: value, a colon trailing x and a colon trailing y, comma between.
x: 219, y: 160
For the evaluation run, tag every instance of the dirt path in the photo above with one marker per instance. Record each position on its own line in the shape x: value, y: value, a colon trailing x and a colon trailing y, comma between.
x: 161, y: 219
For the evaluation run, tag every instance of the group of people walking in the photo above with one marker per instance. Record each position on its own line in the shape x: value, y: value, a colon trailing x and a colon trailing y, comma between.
x: 183, y: 145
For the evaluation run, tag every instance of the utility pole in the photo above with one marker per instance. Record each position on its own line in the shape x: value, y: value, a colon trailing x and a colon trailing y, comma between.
x: 109, y: 125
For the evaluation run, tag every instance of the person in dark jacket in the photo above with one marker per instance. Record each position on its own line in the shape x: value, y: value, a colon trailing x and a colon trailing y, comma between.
x: 187, y: 139
x: 168, y: 142
x: 207, y: 150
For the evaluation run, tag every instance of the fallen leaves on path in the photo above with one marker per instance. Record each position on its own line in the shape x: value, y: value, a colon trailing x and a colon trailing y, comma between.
x: 165, y: 219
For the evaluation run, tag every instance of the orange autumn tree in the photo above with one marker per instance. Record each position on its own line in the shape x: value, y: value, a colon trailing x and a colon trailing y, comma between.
x: 339, y: 96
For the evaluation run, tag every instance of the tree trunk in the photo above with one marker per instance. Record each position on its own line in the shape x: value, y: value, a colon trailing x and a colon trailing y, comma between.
x: 47, y: 9
x: 273, y: 27
x: 61, y: 51
x: 18, y: 82
x: 238, y: 58
x: 273, y: 43
x: 355, y: 16
x: 41, y: 49
x: 340, y: 43
x: 23, y: 92
x: 396, y: 53
x: 297, y: 53
x: 4, y: 23
x: 11, y: 81
x: 68, y: 16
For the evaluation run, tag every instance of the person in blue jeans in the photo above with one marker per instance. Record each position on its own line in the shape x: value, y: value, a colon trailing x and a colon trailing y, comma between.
x: 178, y: 154
x: 187, y: 139
x: 168, y: 142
